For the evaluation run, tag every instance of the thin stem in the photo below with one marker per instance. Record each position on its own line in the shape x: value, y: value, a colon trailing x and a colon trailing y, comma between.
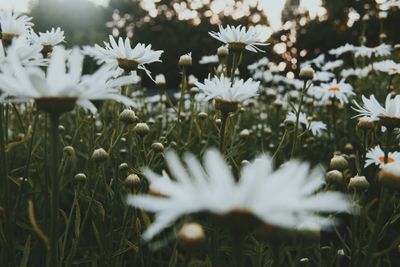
x: 234, y: 66
x: 373, y: 240
x: 9, y: 231
x: 183, y: 90
x: 334, y: 123
x: 296, y: 126
x: 53, y: 251
x: 280, y: 144
x: 275, y: 255
x: 224, y: 118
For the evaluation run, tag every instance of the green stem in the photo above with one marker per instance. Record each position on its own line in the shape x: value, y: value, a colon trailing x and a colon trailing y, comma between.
x: 53, y: 251
x: 224, y: 118
x: 334, y: 123
x: 296, y: 126
x: 183, y: 90
x: 275, y: 255
x: 280, y: 144
x: 373, y: 240
x: 5, y: 184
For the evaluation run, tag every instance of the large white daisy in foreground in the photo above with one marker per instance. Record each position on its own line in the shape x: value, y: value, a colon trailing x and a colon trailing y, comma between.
x: 122, y: 54
x: 239, y: 38
x: 284, y: 198
x: 59, y: 84
x: 377, y: 156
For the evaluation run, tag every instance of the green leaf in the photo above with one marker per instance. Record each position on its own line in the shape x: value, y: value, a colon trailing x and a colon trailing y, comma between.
x: 27, y: 250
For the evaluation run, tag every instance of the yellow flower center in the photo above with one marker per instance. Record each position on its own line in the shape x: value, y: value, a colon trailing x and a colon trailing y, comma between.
x: 382, y: 159
x: 334, y: 89
x: 394, y: 69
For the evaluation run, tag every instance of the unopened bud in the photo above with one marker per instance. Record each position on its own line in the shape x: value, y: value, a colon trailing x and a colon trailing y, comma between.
x: 157, y: 147
x: 185, y: 60
x: 100, y: 155
x: 358, y: 183
x: 128, y: 116
x: 191, y: 236
x: 307, y: 73
x: 142, y: 129
x: 338, y: 163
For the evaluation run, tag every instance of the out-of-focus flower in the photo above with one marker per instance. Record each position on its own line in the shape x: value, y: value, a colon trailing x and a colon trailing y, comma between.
x: 340, y: 91
x: 378, y: 51
x: 283, y: 198
x: 342, y: 49
x: 358, y: 73
x: 48, y: 38
x: 13, y: 24
x: 388, y: 66
x: 213, y: 59
x: 29, y: 54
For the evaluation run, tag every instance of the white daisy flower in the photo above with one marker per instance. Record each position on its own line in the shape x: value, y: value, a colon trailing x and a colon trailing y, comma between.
x: 323, y: 76
x: 376, y: 156
x: 388, y: 66
x: 213, y: 59
x: 331, y: 65
x: 316, y: 127
x: 21, y: 83
x: 260, y: 63
x: 359, y: 72
x: 123, y: 55
x: 318, y: 62
x: 283, y: 198
x: 13, y: 24
x: 340, y: 91
x: 373, y: 110
x: 29, y: 54
x: 222, y: 88
x: 378, y: 51
x: 239, y: 38
x: 342, y: 49
x: 48, y: 38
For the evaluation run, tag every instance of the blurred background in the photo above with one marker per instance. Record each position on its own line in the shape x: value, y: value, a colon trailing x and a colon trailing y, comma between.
x: 297, y: 29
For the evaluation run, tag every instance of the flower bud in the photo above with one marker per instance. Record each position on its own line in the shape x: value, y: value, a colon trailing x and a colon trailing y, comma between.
x: 128, y: 116
x: 186, y: 60
x: 277, y: 103
x: 69, y: 150
x: 338, y: 163
x: 80, y: 178
x: 218, y: 122
x: 123, y: 167
x: 142, y: 129
x: 222, y: 51
x: 244, y: 133
x: 157, y: 147
x: 194, y: 91
x: 151, y: 121
x: 191, y: 236
x: 202, y: 115
x: 358, y: 183
x: 160, y: 80
x: 307, y: 73
x: 100, y: 155
x: 289, y: 124
x: 132, y: 181
x: 334, y: 177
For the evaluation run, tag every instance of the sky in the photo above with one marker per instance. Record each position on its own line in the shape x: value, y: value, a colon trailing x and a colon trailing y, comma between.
x: 272, y: 8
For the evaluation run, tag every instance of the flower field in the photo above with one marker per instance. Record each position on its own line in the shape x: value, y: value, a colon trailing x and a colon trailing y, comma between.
x: 249, y: 166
